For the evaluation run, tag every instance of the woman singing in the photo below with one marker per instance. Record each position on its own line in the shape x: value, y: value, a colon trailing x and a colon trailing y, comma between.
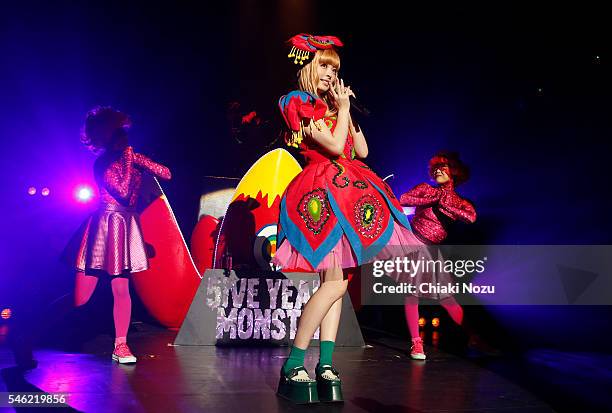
x: 335, y: 215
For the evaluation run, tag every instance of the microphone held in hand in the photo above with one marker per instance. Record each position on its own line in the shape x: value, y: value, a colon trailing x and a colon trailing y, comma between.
x: 355, y: 104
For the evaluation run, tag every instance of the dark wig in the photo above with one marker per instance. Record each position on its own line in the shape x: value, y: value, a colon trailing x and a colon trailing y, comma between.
x: 459, y: 171
x: 103, y: 125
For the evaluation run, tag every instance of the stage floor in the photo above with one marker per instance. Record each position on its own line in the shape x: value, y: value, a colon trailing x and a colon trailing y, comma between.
x: 378, y: 378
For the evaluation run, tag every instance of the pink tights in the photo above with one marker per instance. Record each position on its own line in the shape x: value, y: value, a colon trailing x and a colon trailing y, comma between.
x: 411, y: 310
x: 122, y: 307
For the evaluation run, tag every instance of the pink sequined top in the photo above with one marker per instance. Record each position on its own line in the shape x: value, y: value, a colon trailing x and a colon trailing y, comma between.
x: 119, y: 177
x: 428, y: 200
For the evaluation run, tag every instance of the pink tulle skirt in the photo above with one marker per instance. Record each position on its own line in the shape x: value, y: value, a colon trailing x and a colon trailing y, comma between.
x: 342, y: 255
x: 402, y: 243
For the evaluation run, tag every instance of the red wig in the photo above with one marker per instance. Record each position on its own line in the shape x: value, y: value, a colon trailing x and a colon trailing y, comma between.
x: 459, y: 171
x: 103, y: 125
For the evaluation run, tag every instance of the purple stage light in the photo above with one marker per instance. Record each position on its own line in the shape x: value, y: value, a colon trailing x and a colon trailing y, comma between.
x: 84, y: 193
x: 31, y: 191
x: 45, y: 192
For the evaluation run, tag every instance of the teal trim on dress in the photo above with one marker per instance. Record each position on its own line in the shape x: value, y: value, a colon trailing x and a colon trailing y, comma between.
x: 291, y: 232
x: 363, y: 254
x: 300, y: 243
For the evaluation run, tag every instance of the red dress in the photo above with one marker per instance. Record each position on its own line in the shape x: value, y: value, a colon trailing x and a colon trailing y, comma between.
x: 113, y: 241
x: 337, y: 212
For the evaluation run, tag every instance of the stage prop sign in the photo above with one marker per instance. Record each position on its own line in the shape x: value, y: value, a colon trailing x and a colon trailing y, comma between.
x: 257, y: 308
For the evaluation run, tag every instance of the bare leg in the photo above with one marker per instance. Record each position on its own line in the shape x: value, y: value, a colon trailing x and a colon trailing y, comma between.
x: 329, y: 324
x: 325, y: 304
x: 332, y: 289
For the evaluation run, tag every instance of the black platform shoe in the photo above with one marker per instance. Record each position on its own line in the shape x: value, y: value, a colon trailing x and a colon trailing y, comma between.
x: 329, y: 390
x: 297, y: 391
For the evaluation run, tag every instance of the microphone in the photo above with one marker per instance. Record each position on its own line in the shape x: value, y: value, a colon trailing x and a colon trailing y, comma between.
x: 355, y: 104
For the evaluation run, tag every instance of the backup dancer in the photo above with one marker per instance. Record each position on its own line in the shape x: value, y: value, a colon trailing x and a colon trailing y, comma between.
x: 436, y: 206
x: 112, y: 244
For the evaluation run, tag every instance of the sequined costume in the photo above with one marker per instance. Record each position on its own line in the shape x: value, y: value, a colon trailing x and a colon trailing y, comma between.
x: 337, y: 212
x: 434, y: 205
x: 113, y: 241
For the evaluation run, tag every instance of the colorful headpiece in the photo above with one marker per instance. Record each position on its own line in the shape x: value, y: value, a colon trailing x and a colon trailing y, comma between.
x: 303, y: 44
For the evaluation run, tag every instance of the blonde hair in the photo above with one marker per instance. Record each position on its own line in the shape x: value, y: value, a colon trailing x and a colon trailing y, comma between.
x: 308, y: 76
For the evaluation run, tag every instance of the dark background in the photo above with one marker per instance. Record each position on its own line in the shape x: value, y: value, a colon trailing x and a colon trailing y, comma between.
x: 522, y: 92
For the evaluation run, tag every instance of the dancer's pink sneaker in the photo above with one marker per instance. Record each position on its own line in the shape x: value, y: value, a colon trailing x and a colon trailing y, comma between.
x: 123, y: 355
x: 416, y: 351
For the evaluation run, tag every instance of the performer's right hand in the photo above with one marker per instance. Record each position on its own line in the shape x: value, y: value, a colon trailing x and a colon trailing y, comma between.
x: 341, y: 94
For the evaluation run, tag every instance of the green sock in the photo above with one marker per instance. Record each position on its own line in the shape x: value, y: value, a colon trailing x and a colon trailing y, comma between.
x: 325, y: 356
x: 296, y: 359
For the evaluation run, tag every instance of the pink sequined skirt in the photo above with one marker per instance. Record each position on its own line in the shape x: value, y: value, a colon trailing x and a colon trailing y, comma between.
x: 113, y: 242
x: 403, y: 243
